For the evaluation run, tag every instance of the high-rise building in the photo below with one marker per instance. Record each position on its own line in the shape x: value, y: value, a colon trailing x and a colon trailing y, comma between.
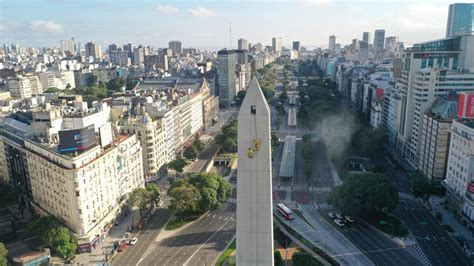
x: 460, y: 19
x: 379, y: 39
x: 19, y: 87
x: 459, y: 181
x: 434, y: 142
x: 138, y: 55
x: 296, y: 45
x: 68, y: 46
x: 227, y: 60
x: 431, y: 69
x: 363, y: 52
x: 332, y: 44
x: 242, y: 44
x: 276, y: 44
x: 366, y: 37
x: 93, y: 49
x: 176, y: 47
x: 390, y: 45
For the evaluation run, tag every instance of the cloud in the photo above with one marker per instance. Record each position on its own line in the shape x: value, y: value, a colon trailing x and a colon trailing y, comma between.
x: 167, y: 9
x: 423, y: 17
x: 202, y: 12
x: 46, y: 26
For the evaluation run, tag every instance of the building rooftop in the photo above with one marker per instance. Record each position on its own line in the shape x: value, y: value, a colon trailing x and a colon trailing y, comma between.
x: 444, y: 108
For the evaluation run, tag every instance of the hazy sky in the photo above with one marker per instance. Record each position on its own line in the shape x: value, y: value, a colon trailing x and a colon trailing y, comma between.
x: 205, y: 24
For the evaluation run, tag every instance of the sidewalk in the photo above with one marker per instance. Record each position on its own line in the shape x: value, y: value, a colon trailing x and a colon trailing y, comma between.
x: 106, y: 245
x: 449, y: 218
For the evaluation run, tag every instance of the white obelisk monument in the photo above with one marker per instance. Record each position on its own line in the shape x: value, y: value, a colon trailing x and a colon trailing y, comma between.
x: 254, y: 181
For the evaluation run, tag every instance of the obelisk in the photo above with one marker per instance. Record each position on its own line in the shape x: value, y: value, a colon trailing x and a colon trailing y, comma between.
x: 254, y: 181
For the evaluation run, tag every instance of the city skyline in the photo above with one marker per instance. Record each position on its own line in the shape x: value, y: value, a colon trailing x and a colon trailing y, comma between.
x: 44, y: 23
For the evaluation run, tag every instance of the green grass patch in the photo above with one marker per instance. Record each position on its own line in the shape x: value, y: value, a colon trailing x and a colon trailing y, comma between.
x: 388, y: 224
x: 225, y: 255
x: 178, y: 222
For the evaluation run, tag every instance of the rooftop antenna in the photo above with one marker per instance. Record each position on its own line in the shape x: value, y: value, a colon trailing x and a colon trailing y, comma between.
x: 230, y: 35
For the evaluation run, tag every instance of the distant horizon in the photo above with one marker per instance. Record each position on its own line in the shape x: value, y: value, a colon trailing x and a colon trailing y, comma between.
x: 205, y: 24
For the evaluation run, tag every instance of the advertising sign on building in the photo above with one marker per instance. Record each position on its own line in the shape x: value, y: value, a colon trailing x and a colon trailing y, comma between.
x: 466, y: 105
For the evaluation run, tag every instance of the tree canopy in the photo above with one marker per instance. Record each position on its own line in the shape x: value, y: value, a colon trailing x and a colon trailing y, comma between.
x: 142, y: 198
x: 3, y: 255
x: 227, y: 138
x: 50, y: 230
x: 177, y: 165
x: 199, y: 193
x: 363, y: 195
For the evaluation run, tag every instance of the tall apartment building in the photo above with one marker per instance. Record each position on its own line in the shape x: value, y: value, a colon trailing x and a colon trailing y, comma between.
x: 277, y: 44
x: 332, y: 44
x: 379, y: 39
x: 176, y: 47
x: 138, y: 55
x: 36, y: 86
x: 431, y: 69
x: 459, y: 180
x: 227, y: 60
x: 93, y: 49
x: 460, y: 19
x: 19, y: 87
x: 390, y: 46
x: 69, y: 162
x: 366, y: 37
x: 152, y: 138
x: 87, y: 190
x: 434, y: 141
x: 242, y: 44
x: 296, y: 45
x: 68, y: 46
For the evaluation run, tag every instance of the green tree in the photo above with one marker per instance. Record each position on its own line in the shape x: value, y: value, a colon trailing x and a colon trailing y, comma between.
x: 3, y: 255
x: 65, y: 245
x: 53, y: 90
x: 198, y: 144
x: 421, y: 187
x: 363, y: 195
x: 140, y: 198
x: 190, y: 152
x: 227, y: 138
x: 184, y: 199
x: 177, y: 165
x: 302, y: 259
x: 274, y: 141
x: 154, y: 193
x: 369, y: 142
x: 50, y: 230
x: 278, y: 258
x: 115, y: 84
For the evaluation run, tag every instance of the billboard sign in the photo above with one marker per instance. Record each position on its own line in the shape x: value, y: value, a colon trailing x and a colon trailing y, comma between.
x: 77, y: 139
x: 466, y: 105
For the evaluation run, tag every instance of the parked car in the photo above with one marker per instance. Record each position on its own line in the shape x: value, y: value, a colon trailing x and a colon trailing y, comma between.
x: 339, y: 222
x: 133, y: 241
x: 339, y: 216
x: 349, y: 219
x: 331, y: 214
x: 122, y: 247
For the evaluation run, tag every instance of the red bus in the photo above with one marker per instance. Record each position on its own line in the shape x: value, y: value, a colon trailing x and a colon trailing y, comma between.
x: 285, y: 211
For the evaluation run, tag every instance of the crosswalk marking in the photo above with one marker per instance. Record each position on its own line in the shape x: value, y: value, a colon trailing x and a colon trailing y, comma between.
x: 232, y: 200
x: 315, y: 206
x: 421, y: 255
x: 405, y: 196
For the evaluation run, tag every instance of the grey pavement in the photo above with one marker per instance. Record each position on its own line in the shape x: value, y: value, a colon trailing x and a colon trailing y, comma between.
x: 336, y: 245
x: 448, y: 217
x: 198, y: 244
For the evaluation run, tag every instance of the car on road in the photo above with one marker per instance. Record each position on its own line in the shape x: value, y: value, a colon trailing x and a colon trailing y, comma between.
x: 331, y: 214
x: 339, y: 222
x: 122, y: 247
x: 349, y: 219
x: 133, y: 241
x: 339, y: 216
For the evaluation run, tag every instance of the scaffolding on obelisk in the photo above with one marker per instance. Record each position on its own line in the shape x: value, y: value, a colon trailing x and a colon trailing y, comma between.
x: 254, y: 181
